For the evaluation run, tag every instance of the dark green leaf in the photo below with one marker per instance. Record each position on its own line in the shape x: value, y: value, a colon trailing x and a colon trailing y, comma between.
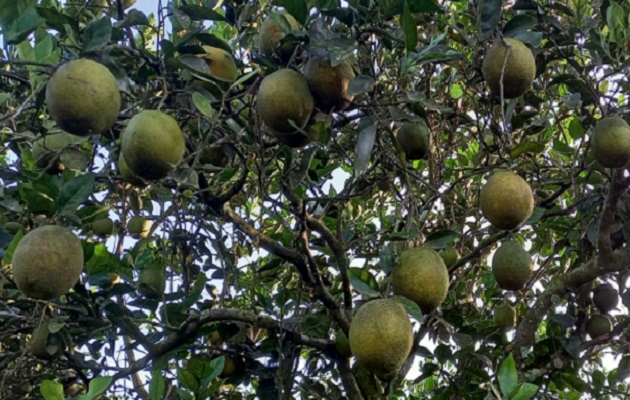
x: 363, y: 149
x: 8, y: 254
x: 97, y: 34
x: 409, y: 28
x: 363, y: 281
x: 133, y: 18
x: 202, y: 104
x: 157, y: 385
x: 489, y: 15
x: 74, y: 192
x: 508, y: 377
x: 297, y: 8
x: 440, y: 239
x: 97, y: 387
x: 412, y: 308
x: 527, y: 147
x: 525, y: 391
x: 518, y: 24
x: 199, y: 13
x: 187, y: 379
x: 359, y: 85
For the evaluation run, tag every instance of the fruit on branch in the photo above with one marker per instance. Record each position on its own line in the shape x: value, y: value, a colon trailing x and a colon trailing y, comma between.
x: 47, y: 262
x: 271, y: 35
x: 506, y: 200
x: 152, y: 144
x: 297, y: 139
x: 283, y: 96
x: 151, y: 281
x: 504, y: 316
x: 413, y: 138
x: 220, y: 62
x: 611, y: 142
x: 215, y: 155
x: 381, y: 336
x: 599, y: 325
x: 422, y: 277
x: 605, y: 298
x: 138, y: 227
x: 450, y: 256
x: 82, y: 97
x: 103, y: 226
x: 128, y: 175
x: 231, y: 365
x: 45, y: 344
x: 512, y: 266
x: 328, y: 84
x: 519, y: 72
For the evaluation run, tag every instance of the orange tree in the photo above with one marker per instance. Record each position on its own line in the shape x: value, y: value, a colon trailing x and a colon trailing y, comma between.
x: 233, y: 268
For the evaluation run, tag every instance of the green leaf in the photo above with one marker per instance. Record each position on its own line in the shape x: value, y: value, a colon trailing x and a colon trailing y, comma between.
x: 412, y: 308
x: 157, y: 386
x: 187, y: 379
x: 74, y: 192
x: 440, y: 239
x: 25, y: 25
x: 52, y: 390
x: 395, y: 7
x: 363, y: 281
x: 508, y: 377
x: 194, y: 63
x: 184, y: 395
x: 202, y: 104
x: 297, y: 8
x: 199, y: 13
x: 488, y: 17
x: 575, y: 128
x: 527, y: 147
x: 409, y: 28
x: 525, y: 391
x: 97, y: 34
x: 217, y: 367
x: 519, y: 24
x: 456, y: 91
x: 97, y: 387
x: 359, y: 85
x: 8, y: 255
x: 363, y: 149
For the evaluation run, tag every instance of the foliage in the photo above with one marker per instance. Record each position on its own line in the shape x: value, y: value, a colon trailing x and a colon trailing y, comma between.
x: 267, y: 253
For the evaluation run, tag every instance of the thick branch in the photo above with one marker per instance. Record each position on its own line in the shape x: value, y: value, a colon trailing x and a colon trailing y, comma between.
x: 604, y: 245
x: 347, y: 379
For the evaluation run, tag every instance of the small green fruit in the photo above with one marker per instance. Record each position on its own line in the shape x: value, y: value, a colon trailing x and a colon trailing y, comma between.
x: 413, y: 138
x: 605, y: 298
x: 139, y: 227
x: 152, y: 281
x: 450, y: 256
x: 506, y: 200
x: 103, y: 227
x: 512, y: 266
x: 610, y: 142
x: 599, y: 325
x: 504, y: 316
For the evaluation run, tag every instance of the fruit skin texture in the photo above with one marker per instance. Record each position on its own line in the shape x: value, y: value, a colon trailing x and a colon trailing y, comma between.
x: 598, y: 325
x: 506, y: 200
x: 39, y: 342
x: 83, y: 98
x: 421, y: 276
x: 504, y: 316
x: 512, y: 266
x: 271, y: 34
x: 605, y: 298
x: 104, y: 226
x: 139, y: 227
x: 151, y: 282
x: 329, y: 84
x: 520, y: 69
x: 450, y: 256
x: 611, y: 142
x: 283, y: 96
x: 47, y: 262
x: 381, y: 336
x: 152, y: 144
x: 413, y: 137
x: 220, y: 62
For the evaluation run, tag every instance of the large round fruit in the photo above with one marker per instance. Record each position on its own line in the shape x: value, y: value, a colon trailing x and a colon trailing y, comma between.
x: 506, y: 200
x: 82, y: 97
x: 139, y: 227
x: 220, y: 62
x: 504, y: 316
x: 611, y: 142
x: 47, y: 262
x: 512, y: 266
x: 599, y: 325
x: 152, y: 144
x: 283, y: 96
x: 329, y: 84
x: 422, y: 277
x: 151, y: 282
x: 605, y: 298
x: 520, y: 68
x: 271, y: 34
x: 381, y: 336
x: 413, y: 138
